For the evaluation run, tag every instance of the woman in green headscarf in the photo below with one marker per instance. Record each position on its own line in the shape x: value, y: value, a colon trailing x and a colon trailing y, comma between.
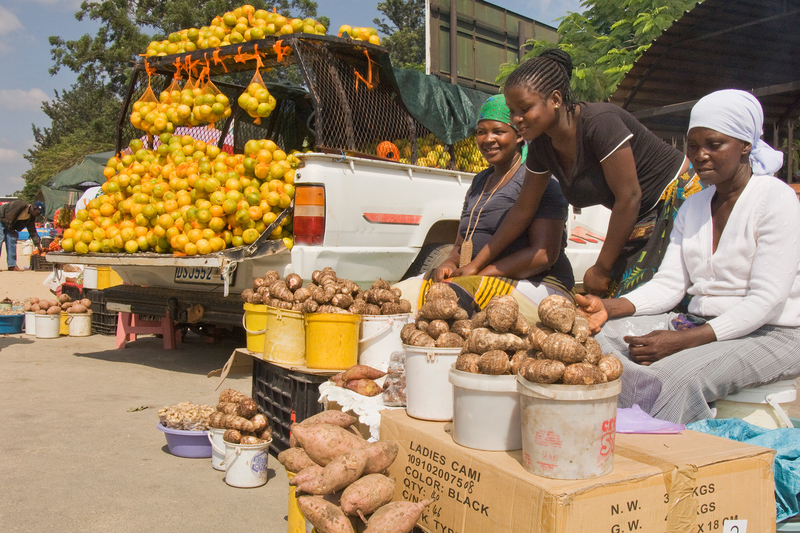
x: 535, y: 263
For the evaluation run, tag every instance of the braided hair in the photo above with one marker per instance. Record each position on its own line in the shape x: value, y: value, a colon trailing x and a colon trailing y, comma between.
x: 548, y: 72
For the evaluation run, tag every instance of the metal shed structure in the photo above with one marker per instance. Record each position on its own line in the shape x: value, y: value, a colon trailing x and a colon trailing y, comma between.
x: 721, y: 44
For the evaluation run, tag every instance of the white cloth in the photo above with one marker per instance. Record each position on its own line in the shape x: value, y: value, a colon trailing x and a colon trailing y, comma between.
x: 738, y: 114
x: 751, y: 280
x: 90, y: 194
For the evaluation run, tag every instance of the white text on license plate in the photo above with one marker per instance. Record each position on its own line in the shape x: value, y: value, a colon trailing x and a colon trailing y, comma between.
x: 206, y: 275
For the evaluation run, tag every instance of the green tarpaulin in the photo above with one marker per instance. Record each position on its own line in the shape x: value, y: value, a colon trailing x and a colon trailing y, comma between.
x: 87, y: 173
x: 57, y: 198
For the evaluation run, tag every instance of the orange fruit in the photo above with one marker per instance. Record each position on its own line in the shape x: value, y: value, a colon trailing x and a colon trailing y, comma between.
x: 203, y: 247
x: 249, y: 236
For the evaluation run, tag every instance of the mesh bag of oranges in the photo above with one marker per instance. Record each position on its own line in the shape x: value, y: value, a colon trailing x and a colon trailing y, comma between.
x: 256, y: 99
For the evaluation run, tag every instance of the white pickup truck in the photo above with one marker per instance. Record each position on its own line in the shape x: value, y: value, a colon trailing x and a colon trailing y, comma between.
x: 366, y: 219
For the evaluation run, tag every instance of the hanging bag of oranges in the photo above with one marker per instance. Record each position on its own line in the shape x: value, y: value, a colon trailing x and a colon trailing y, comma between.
x: 256, y: 99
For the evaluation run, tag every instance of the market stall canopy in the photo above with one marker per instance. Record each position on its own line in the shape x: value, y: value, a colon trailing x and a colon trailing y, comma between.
x: 720, y: 44
x: 55, y: 199
x: 87, y: 173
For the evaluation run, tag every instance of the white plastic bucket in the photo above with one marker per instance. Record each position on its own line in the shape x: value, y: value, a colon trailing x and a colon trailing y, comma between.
x: 27, y: 248
x: 30, y: 323
x: 79, y: 324
x: 429, y: 394
x: 485, y: 411
x: 760, y: 406
x: 246, y: 464
x: 380, y: 336
x: 217, y: 447
x: 89, y: 277
x: 48, y: 326
x: 568, y: 431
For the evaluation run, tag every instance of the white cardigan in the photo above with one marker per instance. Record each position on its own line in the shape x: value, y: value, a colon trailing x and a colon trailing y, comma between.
x: 751, y: 280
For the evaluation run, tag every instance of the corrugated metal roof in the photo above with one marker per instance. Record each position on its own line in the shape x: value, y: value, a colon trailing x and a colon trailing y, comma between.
x: 720, y: 44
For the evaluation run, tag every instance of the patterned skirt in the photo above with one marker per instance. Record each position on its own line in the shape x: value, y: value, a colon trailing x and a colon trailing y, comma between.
x: 642, y: 254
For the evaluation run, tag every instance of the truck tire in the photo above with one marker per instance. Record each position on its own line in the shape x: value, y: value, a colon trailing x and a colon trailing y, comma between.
x: 430, y: 256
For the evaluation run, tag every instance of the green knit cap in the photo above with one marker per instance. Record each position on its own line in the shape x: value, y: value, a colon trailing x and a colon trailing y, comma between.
x: 495, y: 108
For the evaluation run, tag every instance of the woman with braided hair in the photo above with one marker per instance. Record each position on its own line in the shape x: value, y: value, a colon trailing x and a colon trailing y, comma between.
x: 601, y: 155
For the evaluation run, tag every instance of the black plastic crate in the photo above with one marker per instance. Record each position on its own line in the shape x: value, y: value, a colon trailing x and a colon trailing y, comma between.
x: 285, y: 397
x: 103, y: 322
x: 74, y: 292
x: 40, y: 264
x: 97, y: 297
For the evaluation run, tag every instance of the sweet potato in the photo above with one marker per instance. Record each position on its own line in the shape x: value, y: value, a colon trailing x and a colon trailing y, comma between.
x: 420, y: 338
x: 380, y: 456
x: 441, y: 291
x: 557, y: 312
x: 336, y: 475
x: 396, y: 517
x: 337, y: 379
x: 501, y: 312
x: 365, y: 387
x: 436, y: 328
x: 564, y: 348
x: 482, y: 340
x: 580, y: 328
x: 232, y: 436
x: 583, y: 374
x: 367, y: 494
x: 542, y: 371
x: 610, y: 366
x: 593, y: 351
x: 450, y: 340
x: 362, y: 372
x: 468, y: 362
x: 494, y: 362
x: 325, y: 442
x: 305, y: 474
x: 462, y: 327
x: 331, y: 416
x: 325, y: 516
x: 248, y: 408
x: 441, y: 309
x: 295, y: 460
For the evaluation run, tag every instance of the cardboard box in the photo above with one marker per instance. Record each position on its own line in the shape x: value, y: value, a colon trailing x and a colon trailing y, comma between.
x: 689, y: 482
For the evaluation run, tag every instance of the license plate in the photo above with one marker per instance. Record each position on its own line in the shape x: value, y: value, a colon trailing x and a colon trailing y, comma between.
x: 203, y: 275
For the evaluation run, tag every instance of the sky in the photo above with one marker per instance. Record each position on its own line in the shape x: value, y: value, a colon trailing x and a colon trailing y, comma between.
x: 25, y: 59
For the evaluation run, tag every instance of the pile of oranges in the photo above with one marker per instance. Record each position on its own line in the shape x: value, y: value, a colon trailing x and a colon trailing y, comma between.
x: 245, y: 23
x: 188, y: 197
x: 360, y: 34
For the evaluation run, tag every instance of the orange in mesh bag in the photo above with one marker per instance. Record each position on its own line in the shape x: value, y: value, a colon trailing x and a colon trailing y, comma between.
x: 148, y: 113
x: 256, y: 99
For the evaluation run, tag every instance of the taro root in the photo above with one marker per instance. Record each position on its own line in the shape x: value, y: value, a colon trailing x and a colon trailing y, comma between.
x: 521, y: 326
x: 583, y: 374
x: 342, y: 300
x: 247, y: 294
x: 406, y: 332
x: 543, y: 371
x: 461, y: 314
x: 501, y: 312
x: 482, y: 340
x: 564, y: 348
x: 480, y: 320
x: 436, y: 328
x: 372, y: 309
x: 517, y: 359
x: 381, y: 284
x: 610, y: 366
x: 441, y: 309
x: 441, y: 291
x: 593, y: 351
x: 449, y: 340
x: 557, y: 312
x: 294, y: 282
x: 537, y: 334
x: 399, y: 307
x: 420, y: 338
x: 462, y: 327
x: 468, y: 362
x: 494, y: 362
x: 580, y: 328
x: 301, y: 294
x: 232, y: 436
x: 422, y: 324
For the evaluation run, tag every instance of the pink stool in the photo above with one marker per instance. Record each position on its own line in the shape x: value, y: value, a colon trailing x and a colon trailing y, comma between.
x: 129, y: 325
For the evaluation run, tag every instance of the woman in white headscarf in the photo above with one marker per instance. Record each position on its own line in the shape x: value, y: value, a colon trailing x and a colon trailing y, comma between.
x: 735, y: 250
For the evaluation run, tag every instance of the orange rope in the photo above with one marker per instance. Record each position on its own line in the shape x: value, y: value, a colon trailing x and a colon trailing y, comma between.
x: 178, y: 67
x: 218, y: 61
x: 368, y: 82
x: 281, y: 51
x: 189, y: 65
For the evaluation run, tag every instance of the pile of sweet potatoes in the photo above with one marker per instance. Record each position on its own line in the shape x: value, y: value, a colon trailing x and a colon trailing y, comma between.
x: 562, y: 349
x: 360, y: 379
x: 440, y: 321
x: 339, y: 478
x: 239, y: 415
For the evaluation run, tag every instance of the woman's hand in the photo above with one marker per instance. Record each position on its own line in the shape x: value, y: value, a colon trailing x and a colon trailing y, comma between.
x: 467, y: 270
x: 444, y: 271
x: 654, y: 346
x: 593, y: 309
x: 596, y: 280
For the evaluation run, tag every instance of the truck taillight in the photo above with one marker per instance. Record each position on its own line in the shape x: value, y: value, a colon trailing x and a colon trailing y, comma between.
x: 309, y: 214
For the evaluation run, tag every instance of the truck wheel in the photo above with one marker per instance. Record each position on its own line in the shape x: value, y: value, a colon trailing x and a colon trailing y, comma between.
x: 430, y: 256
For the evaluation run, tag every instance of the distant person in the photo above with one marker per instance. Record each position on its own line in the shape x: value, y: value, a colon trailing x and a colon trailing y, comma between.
x: 601, y: 155
x: 16, y: 216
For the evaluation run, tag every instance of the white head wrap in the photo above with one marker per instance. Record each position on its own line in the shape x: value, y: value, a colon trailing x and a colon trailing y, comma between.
x: 738, y: 114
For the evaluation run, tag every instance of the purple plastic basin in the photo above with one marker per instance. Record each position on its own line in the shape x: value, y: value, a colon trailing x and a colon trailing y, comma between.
x: 194, y: 444
x: 11, y: 323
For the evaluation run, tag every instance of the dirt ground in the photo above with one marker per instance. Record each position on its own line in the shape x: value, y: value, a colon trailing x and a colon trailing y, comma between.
x: 80, y: 454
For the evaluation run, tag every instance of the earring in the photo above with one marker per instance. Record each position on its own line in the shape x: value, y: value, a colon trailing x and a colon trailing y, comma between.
x: 555, y: 106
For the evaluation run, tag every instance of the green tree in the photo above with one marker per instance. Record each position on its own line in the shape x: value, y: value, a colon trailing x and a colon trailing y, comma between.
x: 405, y: 32
x: 606, y: 40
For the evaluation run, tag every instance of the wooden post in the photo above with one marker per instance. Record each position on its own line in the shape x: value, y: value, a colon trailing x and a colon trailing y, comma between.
x: 453, y: 43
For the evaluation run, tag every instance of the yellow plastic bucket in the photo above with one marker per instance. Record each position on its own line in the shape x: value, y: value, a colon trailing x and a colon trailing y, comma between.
x: 295, y: 518
x: 332, y: 340
x: 285, y: 341
x: 255, y: 325
x: 64, y: 327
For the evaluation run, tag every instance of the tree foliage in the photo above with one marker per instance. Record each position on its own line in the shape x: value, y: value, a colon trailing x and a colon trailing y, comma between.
x: 606, y: 40
x: 405, y: 32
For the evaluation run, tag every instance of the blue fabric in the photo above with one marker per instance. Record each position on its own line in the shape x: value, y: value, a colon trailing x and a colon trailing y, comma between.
x: 785, y: 441
x: 10, y: 240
